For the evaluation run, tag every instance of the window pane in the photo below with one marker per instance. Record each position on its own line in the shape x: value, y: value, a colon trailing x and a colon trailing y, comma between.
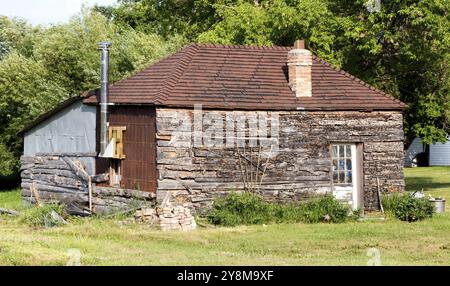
x: 348, y: 152
x: 341, y: 164
x: 341, y: 150
x: 349, y: 164
x: 341, y: 177
x: 349, y: 177
x: 335, y: 165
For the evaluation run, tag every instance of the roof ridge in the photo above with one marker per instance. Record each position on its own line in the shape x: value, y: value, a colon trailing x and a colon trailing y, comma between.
x: 242, y: 46
x: 135, y: 73
x: 358, y: 80
x: 173, y: 78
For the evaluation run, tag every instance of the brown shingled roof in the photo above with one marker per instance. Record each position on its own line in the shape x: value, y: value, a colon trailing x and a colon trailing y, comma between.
x: 243, y: 77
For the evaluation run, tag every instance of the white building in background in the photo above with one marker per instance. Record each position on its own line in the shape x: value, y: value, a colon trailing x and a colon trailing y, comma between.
x: 439, y: 153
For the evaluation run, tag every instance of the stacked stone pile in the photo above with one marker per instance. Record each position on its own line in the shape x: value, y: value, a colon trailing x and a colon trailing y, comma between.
x: 168, y: 217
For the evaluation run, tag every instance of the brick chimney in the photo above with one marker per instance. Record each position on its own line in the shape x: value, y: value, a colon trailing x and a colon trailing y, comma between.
x: 300, y: 63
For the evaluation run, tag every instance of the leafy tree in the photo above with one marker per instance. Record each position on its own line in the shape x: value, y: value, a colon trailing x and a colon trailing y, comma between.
x: 40, y: 67
x: 16, y: 34
x: 25, y: 92
x: 166, y: 18
x: 7, y: 161
x: 402, y: 49
x: 70, y: 51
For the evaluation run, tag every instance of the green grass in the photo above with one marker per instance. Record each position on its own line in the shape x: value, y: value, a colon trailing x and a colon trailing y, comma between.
x: 112, y: 242
x: 433, y: 180
x: 11, y: 200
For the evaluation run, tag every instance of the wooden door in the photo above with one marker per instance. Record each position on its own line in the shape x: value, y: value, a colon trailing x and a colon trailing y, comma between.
x: 346, y: 168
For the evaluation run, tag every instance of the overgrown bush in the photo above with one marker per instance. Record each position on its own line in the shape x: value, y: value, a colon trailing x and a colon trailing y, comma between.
x: 286, y: 213
x: 247, y: 208
x: 315, y: 210
x: 244, y: 208
x: 42, y: 216
x: 406, y: 207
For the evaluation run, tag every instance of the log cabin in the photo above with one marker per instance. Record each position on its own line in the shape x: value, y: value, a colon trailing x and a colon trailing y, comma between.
x: 211, y: 119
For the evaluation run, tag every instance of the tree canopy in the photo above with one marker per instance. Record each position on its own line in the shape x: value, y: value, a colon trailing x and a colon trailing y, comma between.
x: 403, y: 48
x: 42, y: 66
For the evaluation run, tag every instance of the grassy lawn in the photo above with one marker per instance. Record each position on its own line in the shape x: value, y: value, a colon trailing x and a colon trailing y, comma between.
x: 10, y: 200
x: 111, y: 242
x: 433, y: 180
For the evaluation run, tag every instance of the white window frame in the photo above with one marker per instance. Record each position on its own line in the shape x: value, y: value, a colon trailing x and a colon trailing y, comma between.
x: 353, y: 187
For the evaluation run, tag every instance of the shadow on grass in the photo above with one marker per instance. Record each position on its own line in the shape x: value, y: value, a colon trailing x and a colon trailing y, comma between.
x: 426, y: 183
x: 9, y: 182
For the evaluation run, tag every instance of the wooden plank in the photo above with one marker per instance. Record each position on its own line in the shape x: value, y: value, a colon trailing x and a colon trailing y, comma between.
x: 80, y: 173
x: 81, y: 154
x: 100, y: 178
x: 44, y: 187
x: 35, y: 193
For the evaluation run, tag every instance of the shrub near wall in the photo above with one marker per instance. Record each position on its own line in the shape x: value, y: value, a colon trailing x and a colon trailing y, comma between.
x: 236, y: 209
x: 248, y: 208
x: 407, y: 207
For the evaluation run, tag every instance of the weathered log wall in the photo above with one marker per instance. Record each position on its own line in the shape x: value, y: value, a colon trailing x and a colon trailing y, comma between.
x: 57, y: 178
x: 301, y: 167
x: 107, y: 200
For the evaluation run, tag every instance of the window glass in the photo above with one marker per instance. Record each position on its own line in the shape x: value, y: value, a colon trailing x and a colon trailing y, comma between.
x: 349, y: 164
x: 348, y: 151
x: 348, y: 177
x: 342, y: 163
x: 341, y: 177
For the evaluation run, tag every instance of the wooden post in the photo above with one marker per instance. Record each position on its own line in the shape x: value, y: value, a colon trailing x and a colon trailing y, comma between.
x: 90, y: 194
x: 265, y: 166
x: 35, y: 193
x: 241, y: 167
x: 78, y: 167
x: 379, y: 195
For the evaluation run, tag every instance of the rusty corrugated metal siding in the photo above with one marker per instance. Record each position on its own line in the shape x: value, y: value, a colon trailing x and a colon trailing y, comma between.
x: 139, y: 166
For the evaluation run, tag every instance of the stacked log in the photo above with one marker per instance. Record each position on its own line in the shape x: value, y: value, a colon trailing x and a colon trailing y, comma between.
x: 148, y: 215
x: 298, y: 169
x: 109, y: 200
x: 56, y: 180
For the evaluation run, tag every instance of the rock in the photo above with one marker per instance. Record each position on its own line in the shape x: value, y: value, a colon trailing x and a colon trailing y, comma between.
x: 57, y: 218
x: 54, y: 220
x: 169, y: 217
